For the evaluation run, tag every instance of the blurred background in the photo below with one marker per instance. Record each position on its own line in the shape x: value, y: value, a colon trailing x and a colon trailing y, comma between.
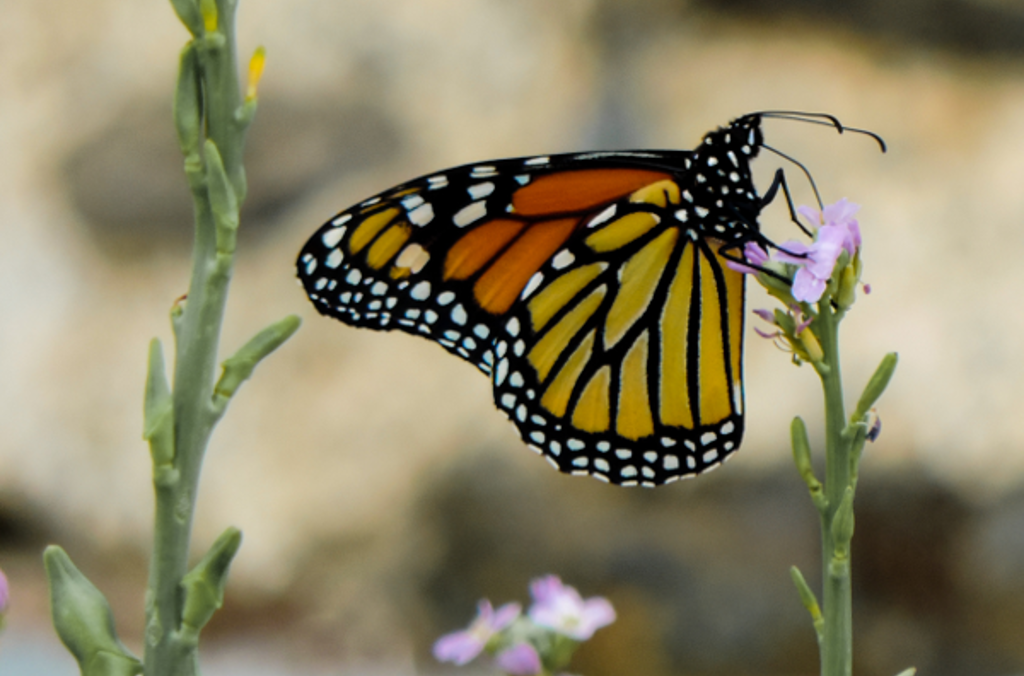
x: 380, y: 492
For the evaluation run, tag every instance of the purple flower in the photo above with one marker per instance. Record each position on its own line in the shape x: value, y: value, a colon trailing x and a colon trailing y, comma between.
x: 560, y: 608
x: 753, y: 253
x: 4, y: 592
x: 837, y: 231
x: 519, y: 660
x: 462, y: 646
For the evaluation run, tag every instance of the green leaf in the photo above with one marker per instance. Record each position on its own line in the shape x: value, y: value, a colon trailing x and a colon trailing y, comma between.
x: 158, y: 409
x: 223, y: 202
x: 239, y: 367
x: 842, y: 525
x: 188, y: 102
x: 876, y: 385
x: 204, y: 584
x: 188, y: 12
x: 809, y: 600
x: 802, y: 458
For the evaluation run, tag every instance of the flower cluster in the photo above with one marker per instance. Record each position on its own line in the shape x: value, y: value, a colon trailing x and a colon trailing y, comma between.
x: 540, y: 642
x: 800, y: 274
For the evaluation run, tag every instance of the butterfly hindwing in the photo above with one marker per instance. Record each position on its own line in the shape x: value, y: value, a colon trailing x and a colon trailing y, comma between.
x: 624, y: 358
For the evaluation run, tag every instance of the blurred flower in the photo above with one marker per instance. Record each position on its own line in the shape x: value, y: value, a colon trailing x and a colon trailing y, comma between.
x: 4, y: 596
x: 519, y: 660
x: 560, y: 608
x: 462, y: 646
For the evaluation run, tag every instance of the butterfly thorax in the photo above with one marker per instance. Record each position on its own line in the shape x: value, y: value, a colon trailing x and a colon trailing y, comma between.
x: 720, y: 200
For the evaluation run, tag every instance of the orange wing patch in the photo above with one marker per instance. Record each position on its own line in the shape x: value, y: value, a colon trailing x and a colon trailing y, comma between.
x: 478, y: 246
x: 499, y: 287
x: 575, y: 191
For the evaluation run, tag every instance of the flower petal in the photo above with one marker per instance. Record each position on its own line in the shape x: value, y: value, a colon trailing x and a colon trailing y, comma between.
x: 806, y: 287
x: 505, y: 615
x: 813, y: 216
x: 519, y: 660
x: 458, y: 647
x: 840, y: 212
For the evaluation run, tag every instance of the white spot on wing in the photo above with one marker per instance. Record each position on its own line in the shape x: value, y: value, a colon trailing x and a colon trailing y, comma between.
x: 333, y: 236
x: 562, y: 259
x: 469, y: 213
x: 532, y: 285
x: 421, y: 291
x: 602, y: 217
x: 481, y: 190
x: 422, y: 214
x: 483, y: 171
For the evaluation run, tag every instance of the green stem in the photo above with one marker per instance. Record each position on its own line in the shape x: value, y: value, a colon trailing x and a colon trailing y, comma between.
x: 837, y: 634
x: 170, y: 651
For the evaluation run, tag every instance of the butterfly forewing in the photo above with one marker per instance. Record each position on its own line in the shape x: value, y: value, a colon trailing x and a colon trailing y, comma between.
x: 592, y: 288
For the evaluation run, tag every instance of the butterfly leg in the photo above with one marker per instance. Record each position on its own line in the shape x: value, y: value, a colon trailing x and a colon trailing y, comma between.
x: 769, y: 196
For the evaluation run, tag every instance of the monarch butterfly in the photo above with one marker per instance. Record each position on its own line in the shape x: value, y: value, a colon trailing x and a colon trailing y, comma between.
x: 591, y: 288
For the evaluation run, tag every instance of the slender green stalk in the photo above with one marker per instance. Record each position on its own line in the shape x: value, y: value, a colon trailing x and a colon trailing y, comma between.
x: 837, y: 636
x: 211, y: 118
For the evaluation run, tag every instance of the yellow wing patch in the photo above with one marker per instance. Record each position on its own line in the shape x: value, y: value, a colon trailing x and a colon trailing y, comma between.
x: 549, y: 348
x: 661, y: 193
x: 638, y: 278
x: 715, y: 402
x: 592, y: 412
x: 560, y: 293
x: 388, y: 245
x: 558, y: 393
x: 676, y: 407
x: 622, y: 231
x: 635, y: 419
x: 369, y: 229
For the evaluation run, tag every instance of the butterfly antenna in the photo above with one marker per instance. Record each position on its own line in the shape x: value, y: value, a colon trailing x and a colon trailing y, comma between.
x: 807, y: 173
x: 823, y: 119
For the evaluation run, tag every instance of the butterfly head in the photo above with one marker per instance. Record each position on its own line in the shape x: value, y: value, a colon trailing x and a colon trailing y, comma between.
x: 742, y: 136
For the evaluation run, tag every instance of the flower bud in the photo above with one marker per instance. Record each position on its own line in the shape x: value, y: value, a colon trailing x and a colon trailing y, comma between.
x: 84, y: 621
x: 811, y: 345
x: 876, y: 385
x: 847, y: 291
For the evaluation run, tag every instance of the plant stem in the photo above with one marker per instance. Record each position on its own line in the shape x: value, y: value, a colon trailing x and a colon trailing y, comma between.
x: 837, y: 644
x: 169, y: 651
